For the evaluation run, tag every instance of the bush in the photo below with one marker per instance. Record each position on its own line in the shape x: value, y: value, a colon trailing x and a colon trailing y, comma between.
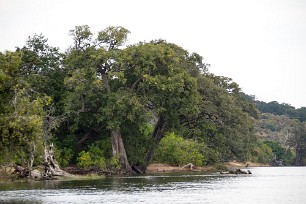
x: 84, y: 159
x: 114, y: 162
x: 64, y: 156
x: 175, y: 150
x: 94, y: 157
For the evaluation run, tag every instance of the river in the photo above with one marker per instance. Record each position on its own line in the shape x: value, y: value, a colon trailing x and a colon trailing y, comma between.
x: 266, y: 185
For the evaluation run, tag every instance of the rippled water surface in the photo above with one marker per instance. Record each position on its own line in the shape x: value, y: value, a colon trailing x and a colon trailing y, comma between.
x: 265, y: 185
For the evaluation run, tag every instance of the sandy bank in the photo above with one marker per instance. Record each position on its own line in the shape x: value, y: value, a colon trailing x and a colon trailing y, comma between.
x: 160, y: 167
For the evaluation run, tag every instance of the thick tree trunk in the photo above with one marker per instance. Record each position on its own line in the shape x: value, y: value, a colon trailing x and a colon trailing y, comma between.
x: 118, y: 149
x: 156, y: 137
x: 117, y: 143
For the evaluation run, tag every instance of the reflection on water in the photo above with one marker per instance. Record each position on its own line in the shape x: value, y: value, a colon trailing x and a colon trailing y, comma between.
x: 265, y: 185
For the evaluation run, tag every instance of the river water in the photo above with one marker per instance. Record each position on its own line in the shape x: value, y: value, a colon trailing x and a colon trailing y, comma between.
x: 266, y: 185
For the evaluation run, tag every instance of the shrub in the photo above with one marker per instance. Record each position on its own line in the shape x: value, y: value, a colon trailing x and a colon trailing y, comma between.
x: 114, y: 162
x: 64, y: 156
x: 175, y: 150
x: 94, y: 157
x: 84, y: 159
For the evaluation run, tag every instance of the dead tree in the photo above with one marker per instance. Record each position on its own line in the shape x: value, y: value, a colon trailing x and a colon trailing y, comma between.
x: 50, y: 164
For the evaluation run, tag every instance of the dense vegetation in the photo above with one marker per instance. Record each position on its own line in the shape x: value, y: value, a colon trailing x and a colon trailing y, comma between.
x: 105, y: 104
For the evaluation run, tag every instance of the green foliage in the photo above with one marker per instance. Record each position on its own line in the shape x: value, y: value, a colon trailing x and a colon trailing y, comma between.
x: 64, y: 156
x: 175, y: 150
x: 94, y: 157
x: 113, y: 37
x: 84, y: 159
x: 271, y: 127
x: 225, y: 119
x: 41, y: 67
x: 281, y: 153
x: 21, y: 112
x: 162, y: 71
x: 114, y: 162
x: 136, y: 138
x: 262, y: 153
x: 211, y: 155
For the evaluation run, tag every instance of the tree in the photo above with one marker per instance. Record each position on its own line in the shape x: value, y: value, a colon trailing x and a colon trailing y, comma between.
x: 95, y: 62
x: 158, y: 73
x: 21, y: 114
x: 225, y: 119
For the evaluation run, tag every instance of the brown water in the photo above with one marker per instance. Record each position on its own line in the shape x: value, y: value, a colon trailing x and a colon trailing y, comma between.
x: 266, y: 185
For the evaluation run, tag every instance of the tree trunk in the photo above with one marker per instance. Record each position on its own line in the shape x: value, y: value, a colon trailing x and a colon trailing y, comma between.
x: 156, y: 137
x: 31, y: 159
x: 117, y: 143
x: 105, y: 81
x: 118, y: 149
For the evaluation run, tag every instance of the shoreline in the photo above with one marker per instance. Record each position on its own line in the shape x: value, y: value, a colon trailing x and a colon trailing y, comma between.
x: 8, y: 176
x: 163, y: 167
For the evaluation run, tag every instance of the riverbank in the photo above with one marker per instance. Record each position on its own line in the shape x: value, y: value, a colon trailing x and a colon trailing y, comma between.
x: 161, y: 167
x: 8, y: 174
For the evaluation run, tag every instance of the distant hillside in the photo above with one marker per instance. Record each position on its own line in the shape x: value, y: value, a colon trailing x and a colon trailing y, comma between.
x: 284, y: 125
x: 278, y: 128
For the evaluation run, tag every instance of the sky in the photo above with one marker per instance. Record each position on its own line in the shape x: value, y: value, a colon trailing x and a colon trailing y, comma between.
x: 260, y: 44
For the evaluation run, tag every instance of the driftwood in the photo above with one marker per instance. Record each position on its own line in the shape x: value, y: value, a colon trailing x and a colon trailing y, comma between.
x: 190, y: 165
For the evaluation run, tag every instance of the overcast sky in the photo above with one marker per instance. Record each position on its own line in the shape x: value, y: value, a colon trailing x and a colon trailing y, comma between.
x: 260, y: 44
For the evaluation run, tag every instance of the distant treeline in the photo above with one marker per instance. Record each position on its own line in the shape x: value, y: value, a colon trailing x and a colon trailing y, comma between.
x: 282, y: 109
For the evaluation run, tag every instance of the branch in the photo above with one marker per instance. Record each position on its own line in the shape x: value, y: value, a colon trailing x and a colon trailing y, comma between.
x: 135, y: 84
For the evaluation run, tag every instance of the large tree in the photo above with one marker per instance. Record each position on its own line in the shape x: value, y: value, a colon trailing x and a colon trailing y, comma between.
x: 94, y: 72
x: 158, y: 72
